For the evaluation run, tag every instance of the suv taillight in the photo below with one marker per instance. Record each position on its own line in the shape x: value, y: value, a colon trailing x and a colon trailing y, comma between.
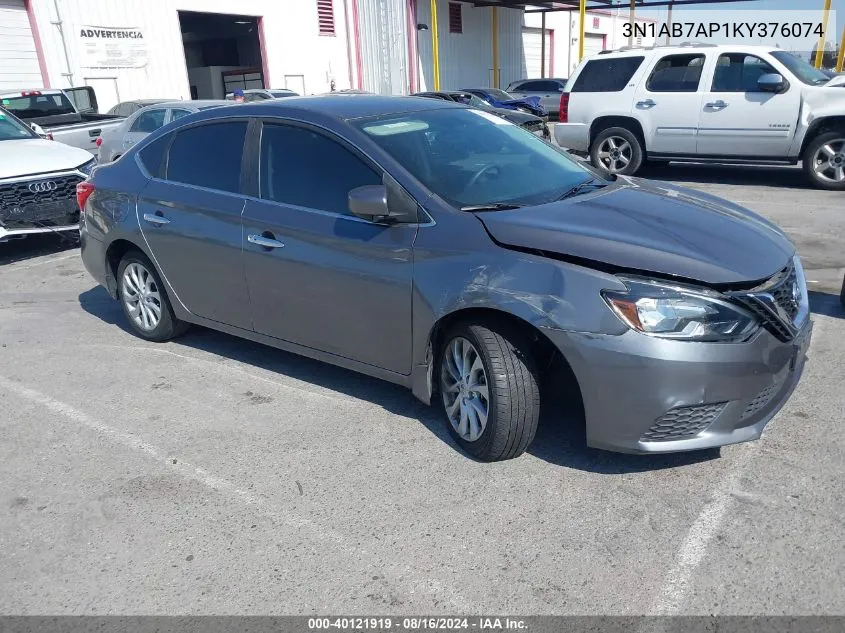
x: 564, y: 107
x: 83, y: 191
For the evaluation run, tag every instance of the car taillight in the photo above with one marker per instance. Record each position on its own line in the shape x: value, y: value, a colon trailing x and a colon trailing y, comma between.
x: 31, y: 93
x: 99, y: 141
x: 564, y: 107
x: 83, y: 191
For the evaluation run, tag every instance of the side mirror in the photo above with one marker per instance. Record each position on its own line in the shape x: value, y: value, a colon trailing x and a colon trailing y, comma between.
x: 38, y: 130
x: 369, y: 202
x: 771, y: 82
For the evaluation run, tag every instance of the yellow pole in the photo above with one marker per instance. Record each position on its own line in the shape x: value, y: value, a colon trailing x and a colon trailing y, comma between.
x: 435, y: 47
x: 820, y: 49
x: 631, y: 23
x: 582, y: 12
x: 840, y: 61
x: 494, y: 27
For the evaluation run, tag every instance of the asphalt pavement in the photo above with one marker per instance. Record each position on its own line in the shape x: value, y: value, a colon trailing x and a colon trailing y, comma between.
x: 212, y: 475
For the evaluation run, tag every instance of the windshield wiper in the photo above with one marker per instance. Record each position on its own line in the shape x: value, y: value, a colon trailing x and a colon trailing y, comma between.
x: 492, y: 206
x: 582, y: 187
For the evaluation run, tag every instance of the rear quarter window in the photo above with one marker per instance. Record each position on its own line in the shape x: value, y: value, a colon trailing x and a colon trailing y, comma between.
x: 152, y: 156
x: 607, y: 75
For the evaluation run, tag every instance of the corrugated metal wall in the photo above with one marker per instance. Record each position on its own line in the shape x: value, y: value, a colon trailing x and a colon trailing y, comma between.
x: 383, y: 28
x: 292, y: 44
x: 466, y: 59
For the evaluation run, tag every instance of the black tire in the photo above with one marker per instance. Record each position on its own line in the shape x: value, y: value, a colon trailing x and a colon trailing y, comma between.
x: 837, y: 139
x: 513, y: 388
x: 168, y: 326
x: 634, y: 157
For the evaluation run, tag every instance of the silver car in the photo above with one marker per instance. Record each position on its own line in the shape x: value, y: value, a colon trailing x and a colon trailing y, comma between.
x: 114, y: 143
x: 549, y: 91
x: 447, y: 250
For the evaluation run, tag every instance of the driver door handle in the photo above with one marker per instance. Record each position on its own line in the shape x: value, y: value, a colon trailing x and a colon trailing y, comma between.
x: 648, y: 103
x: 264, y: 242
x: 717, y: 105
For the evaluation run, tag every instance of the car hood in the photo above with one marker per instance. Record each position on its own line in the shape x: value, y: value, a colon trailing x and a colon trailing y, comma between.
x: 652, y: 227
x: 22, y: 157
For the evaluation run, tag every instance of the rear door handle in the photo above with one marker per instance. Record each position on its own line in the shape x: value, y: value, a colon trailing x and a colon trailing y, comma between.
x: 717, y: 105
x: 648, y: 103
x: 264, y: 241
x: 156, y: 219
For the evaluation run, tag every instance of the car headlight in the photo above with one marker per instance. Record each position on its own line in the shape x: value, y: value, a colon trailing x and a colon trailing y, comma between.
x: 679, y: 312
x: 88, y: 167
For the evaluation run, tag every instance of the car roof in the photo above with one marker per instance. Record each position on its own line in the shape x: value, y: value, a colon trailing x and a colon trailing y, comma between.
x: 337, y: 106
x: 191, y: 105
x: 685, y: 46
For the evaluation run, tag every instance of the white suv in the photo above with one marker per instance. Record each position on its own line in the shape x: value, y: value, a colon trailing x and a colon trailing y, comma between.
x: 705, y: 103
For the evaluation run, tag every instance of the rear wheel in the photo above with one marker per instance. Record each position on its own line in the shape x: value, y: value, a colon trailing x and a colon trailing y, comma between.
x: 489, y: 389
x: 617, y: 150
x: 145, y: 301
x: 824, y: 161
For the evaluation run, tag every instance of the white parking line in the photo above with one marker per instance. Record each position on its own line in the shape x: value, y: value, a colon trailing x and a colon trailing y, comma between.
x: 676, y: 583
x: 445, y: 594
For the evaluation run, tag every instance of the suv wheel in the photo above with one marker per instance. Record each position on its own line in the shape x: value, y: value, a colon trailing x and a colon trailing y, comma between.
x: 145, y: 301
x: 489, y: 388
x: 824, y: 161
x: 617, y: 150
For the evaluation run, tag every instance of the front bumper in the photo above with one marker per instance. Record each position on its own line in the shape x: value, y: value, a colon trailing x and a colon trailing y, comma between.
x: 7, y: 234
x: 648, y: 395
x: 40, y: 203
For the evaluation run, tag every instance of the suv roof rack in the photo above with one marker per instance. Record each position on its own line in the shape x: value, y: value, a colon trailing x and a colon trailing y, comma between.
x: 655, y: 46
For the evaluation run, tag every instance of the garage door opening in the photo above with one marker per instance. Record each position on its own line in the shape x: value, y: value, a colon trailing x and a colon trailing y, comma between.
x: 222, y: 52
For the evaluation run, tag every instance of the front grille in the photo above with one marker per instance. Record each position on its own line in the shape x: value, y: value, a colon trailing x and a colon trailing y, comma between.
x: 683, y: 422
x: 48, y: 200
x: 776, y: 303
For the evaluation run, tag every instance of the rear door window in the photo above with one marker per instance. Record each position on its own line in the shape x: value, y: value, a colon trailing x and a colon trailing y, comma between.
x: 149, y: 121
x: 676, y: 73
x: 208, y: 156
x: 607, y: 75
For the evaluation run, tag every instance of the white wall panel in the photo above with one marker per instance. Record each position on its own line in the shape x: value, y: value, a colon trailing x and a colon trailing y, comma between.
x: 18, y: 59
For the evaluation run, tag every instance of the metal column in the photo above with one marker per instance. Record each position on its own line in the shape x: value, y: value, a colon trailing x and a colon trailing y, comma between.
x: 435, y: 48
x: 582, y: 13
x: 820, y: 49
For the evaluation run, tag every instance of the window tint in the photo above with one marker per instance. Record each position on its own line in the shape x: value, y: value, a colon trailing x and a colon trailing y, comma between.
x: 208, y: 156
x: 152, y: 156
x: 148, y: 121
x: 676, y: 73
x: 738, y: 72
x: 178, y: 114
x: 303, y: 168
x: 607, y: 75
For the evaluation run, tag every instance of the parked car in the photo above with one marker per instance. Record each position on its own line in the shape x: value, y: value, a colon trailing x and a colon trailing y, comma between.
x: 57, y: 112
x: 38, y: 181
x: 548, y: 90
x: 533, y: 124
x: 705, y: 103
x: 128, y: 108
x: 114, y: 143
x: 438, y: 247
x: 501, y: 99
x: 261, y: 94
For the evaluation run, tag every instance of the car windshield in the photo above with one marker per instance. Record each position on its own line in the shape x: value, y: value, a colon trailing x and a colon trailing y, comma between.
x: 469, y: 157
x: 11, y: 129
x: 499, y: 95
x: 475, y: 102
x: 801, y: 69
x: 36, y: 105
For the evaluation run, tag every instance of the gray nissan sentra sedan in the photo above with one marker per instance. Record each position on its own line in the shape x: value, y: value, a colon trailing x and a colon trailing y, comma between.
x: 449, y: 251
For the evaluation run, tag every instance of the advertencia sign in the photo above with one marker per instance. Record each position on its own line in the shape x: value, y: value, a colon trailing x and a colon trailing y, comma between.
x: 112, y: 47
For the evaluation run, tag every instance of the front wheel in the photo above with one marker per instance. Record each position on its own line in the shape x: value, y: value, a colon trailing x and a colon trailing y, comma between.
x: 489, y: 388
x: 824, y: 161
x: 617, y: 150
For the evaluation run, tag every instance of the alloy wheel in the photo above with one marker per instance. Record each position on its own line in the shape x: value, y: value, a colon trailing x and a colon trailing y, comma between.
x: 829, y: 161
x: 463, y: 384
x: 615, y: 153
x: 141, y: 296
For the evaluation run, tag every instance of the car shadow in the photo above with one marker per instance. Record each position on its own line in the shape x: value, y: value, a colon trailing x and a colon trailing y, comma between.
x: 826, y: 304
x: 782, y: 176
x: 19, y: 249
x: 560, y: 438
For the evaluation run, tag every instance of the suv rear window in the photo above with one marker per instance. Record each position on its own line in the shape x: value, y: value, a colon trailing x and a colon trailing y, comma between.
x: 607, y: 75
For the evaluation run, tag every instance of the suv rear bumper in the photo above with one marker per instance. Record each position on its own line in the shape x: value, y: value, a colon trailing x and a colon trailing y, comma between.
x: 573, y: 136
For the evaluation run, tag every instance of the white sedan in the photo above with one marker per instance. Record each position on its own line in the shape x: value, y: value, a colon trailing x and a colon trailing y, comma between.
x: 38, y: 181
x: 114, y: 143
